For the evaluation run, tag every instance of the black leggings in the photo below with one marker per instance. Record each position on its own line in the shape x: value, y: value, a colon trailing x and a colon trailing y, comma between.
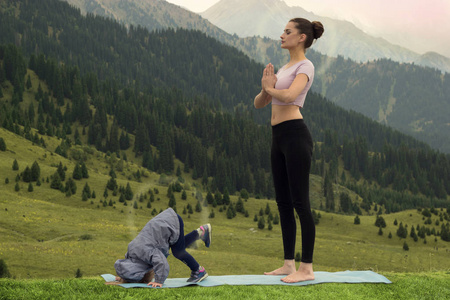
x: 179, y: 248
x: 291, y: 162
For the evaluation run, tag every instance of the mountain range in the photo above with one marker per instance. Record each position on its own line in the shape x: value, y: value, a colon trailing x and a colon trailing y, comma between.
x: 268, y: 18
x: 336, y: 77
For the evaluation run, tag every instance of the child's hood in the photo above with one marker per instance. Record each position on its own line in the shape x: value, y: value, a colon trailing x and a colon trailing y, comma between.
x: 131, y: 269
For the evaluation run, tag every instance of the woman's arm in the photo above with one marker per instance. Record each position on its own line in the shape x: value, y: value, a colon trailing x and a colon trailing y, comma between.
x: 287, y: 95
x: 262, y: 99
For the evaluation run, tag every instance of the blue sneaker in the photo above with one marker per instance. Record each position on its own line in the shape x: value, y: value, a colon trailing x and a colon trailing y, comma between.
x: 197, y: 276
x: 206, y: 234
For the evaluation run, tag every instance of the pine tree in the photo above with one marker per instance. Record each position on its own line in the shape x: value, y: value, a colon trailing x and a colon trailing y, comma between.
x: 189, y: 209
x: 78, y: 273
x: 205, y: 178
x: 229, y: 212
x: 61, y: 172
x: 244, y: 194
x: 2, y: 141
x: 316, y: 217
x: 124, y: 141
x: 172, y: 201
x: 345, y: 201
x: 87, y: 190
x: 4, y: 272
x: 328, y: 193
x: 35, y: 171
x: 56, y: 181
x: 26, y: 175
x: 122, y: 198
x: 401, y: 231
x: 380, y: 222
x: 209, y: 198
x: 30, y: 187
x: 198, y: 207
x: 28, y: 84
x: 261, y: 223
x: 71, y: 186
x: 240, y: 205
x: 111, y: 184
x: 77, y: 174
x: 276, y: 219
x: 405, y: 246
x: 226, y: 197
x: 15, y: 165
x: 357, y: 220
x: 218, y: 198
x: 413, y: 234
x: 84, y: 170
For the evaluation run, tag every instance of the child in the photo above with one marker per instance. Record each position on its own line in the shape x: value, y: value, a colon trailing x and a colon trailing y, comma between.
x: 146, y: 257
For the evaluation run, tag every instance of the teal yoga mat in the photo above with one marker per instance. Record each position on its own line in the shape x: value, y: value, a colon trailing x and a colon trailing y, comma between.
x: 321, y: 277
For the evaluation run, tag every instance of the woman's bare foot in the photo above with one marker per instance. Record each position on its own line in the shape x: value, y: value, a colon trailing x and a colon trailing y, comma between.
x: 304, y: 273
x: 286, y: 269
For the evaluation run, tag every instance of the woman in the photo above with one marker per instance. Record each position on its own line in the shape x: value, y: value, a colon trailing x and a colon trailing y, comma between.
x: 292, y: 144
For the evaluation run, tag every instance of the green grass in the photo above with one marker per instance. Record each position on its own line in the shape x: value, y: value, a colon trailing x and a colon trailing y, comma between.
x: 43, y: 237
x: 404, y: 286
x: 42, y: 231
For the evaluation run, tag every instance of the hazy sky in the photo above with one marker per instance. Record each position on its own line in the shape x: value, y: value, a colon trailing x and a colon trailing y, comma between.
x: 420, y: 25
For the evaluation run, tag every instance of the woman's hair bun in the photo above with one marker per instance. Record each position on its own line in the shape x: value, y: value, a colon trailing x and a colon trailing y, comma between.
x: 317, y: 29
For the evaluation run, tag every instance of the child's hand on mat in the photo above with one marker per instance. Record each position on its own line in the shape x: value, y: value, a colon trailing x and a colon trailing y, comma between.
x: 154, y: 284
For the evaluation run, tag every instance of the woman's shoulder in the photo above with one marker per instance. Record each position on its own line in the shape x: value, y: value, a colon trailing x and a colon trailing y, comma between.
x: 305, y: 63
x: 305, y: 67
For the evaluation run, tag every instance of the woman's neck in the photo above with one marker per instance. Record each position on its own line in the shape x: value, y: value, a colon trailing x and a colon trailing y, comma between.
x: 296, y: 55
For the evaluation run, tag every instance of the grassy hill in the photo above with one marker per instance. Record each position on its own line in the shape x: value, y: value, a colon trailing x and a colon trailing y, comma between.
x: 46, y: 234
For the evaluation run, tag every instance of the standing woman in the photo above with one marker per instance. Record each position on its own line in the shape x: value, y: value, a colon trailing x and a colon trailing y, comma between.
x: 292, y: 144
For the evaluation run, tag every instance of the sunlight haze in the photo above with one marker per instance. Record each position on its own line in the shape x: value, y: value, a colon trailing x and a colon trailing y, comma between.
x: 418, y: 25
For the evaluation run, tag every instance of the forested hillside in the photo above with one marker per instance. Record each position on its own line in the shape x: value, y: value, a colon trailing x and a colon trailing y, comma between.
x: 408, y: 97
x: 186, y: 96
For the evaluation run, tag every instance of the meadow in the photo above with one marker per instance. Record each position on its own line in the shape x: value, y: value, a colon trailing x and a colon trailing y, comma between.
x: 46, y: 237
x: 404, y: 286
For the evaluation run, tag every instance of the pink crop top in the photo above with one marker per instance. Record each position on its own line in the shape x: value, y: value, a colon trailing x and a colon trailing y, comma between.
x: 285, y: 77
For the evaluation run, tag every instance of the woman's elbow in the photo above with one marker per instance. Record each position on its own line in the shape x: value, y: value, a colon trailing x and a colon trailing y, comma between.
x: 289, y: 99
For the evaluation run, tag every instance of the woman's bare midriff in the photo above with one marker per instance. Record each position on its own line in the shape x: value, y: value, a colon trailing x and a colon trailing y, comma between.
x: 281, y: 113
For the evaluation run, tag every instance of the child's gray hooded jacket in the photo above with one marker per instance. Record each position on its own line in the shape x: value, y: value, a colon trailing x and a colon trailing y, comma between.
x: 149, y: 250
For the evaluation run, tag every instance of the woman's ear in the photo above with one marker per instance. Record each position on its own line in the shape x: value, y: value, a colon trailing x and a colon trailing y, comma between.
x: 302, y: 38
